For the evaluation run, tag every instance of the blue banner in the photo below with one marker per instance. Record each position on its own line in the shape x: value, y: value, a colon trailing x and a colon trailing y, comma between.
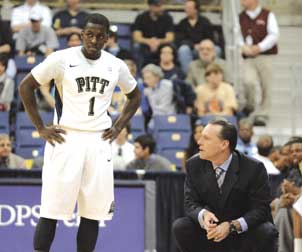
x: 19, y: 213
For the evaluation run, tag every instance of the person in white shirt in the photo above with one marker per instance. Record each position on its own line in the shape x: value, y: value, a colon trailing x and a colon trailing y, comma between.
x: 20, y: 15
x: 122, y: 150
x: 260, y: 35
x: 78, y: 165
x: 264, y: 147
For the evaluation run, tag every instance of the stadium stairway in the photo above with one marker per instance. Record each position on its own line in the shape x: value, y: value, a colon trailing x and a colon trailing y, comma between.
x: 286, y: 98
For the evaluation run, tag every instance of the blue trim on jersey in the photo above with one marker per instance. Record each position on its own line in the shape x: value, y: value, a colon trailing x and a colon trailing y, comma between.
x: 58, y: 104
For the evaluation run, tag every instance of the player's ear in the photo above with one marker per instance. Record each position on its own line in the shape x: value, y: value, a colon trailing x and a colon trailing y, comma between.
x: 82, y: 34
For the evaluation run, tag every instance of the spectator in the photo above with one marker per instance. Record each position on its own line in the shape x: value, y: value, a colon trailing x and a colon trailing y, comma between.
x: 36, y: 39
x: 290, y: 190
x: 260, y: 34
x: 70, y: 20
x: 207, y: 55
x: 193, y: 147
x: 7, y: 158
x: 145, y: 106
x: 73, y: 39
x: 122, y: 150
x: 7, y: 86
x: 6, y: 41
x: 20, y: 16
x: 264, y: 147
x: 114, y: 48
x: 297, y: 226
x: 159, y: 91
x: 167, y: 62
x: 190, y: 31
x: 145, y: 159
x: 151, y: 29
x: 6, y: 47
x: 215, y: 97
x: 245, y: 134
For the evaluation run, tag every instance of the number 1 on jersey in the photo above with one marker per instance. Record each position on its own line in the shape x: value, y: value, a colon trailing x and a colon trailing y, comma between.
x: 91, y: 106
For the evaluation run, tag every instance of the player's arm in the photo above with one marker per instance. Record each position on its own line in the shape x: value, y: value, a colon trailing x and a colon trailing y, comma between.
x: 27, y: 93
x: 130, y: 107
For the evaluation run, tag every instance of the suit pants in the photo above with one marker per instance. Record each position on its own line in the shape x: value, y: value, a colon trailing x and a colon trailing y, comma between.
x: 190, y: 237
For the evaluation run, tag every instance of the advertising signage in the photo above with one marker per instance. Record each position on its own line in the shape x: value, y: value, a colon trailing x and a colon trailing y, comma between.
x: 19, y: 213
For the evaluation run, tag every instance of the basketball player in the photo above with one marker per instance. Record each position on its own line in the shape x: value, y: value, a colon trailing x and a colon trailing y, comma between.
x: 77, y: 159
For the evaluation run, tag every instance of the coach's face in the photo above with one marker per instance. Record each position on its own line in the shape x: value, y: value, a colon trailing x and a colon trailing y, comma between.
x: 94, y: 37
x: 210, y: 143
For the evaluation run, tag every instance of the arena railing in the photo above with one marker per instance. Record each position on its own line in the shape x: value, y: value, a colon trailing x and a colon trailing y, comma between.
x: 121, y: 4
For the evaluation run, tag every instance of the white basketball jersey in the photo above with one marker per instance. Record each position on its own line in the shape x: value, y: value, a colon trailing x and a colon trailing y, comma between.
x: 84, y: 87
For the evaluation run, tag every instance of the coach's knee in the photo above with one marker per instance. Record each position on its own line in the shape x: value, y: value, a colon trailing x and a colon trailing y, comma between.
x: 266, y: 236
x: 182, y: 228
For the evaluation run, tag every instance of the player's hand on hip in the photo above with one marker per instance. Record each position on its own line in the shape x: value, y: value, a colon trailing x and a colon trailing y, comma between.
x: 110, y: 134
x: 209, y: 220
x: 220, y: 232
x: 52, y: 134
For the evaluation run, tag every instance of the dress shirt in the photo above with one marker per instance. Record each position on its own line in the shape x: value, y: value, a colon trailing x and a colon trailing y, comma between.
x: 224, y: 166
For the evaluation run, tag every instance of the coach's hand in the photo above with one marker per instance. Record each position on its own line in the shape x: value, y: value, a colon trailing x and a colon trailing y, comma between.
x: 220, y: 232
x: 111, y: 134
x: 52, y: 134
x: 209, y: 220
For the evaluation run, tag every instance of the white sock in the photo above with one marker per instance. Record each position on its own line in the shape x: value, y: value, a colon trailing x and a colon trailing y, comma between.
x: 298, y: 244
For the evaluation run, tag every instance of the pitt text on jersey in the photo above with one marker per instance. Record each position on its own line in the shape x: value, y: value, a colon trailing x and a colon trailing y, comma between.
x: 90, y: 84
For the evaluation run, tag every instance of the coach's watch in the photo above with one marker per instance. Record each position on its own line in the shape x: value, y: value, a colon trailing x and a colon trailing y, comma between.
x: 232, y: 227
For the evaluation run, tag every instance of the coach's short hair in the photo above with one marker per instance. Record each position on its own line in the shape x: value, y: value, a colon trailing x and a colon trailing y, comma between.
x: 146, y: 141
x: 97, y: 18
x: 228, y: 132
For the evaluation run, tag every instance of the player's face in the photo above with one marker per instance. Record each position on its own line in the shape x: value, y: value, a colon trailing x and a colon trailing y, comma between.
x: 94, y: 37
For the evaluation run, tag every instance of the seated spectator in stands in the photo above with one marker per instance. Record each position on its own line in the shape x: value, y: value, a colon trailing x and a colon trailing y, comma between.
x: 245, y: 143
x: 297, y: 227
x: 122, y: 150
x: 7, y: 158
x: 260, y: 35
x: 159, y: 91
x: 264, y: 147
x: 151, y: 29
x: 70, y: 20
x: 114, y: 48
x: 6, y: 47
x: 215, y: 97
x: 167, y: 62
x: 145, y: 106
x: 145, y: 159
x: 190, y: 31
x: 37, y: 38
x: 73, y: 39
x: 193, y: 147
x: 7, y: 86
x: 20, y: 16
x: 207, y: 56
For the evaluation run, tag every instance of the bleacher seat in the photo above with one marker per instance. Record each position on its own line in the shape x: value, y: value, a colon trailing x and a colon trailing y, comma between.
x: 4, y: 123
x: 172, y: 140
x: 137, y: 123
x: 26, y: 63
x: 207, y: 118
x: 179, y: 122
x: 124, y: 35
x: 62, y: 43
x: 175, y: 157
x: 28, y: 142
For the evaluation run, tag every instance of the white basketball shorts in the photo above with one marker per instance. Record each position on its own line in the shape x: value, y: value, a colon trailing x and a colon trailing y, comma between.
x: 78, y: 171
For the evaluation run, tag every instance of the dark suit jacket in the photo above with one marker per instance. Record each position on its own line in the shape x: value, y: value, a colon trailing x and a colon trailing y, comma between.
x: 245, y: 191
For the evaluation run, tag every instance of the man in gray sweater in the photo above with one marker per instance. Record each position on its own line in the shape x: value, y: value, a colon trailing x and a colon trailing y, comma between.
x: 145, y: 159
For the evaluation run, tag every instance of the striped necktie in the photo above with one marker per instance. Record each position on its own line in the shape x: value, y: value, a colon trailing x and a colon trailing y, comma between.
x: 219, y: 172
